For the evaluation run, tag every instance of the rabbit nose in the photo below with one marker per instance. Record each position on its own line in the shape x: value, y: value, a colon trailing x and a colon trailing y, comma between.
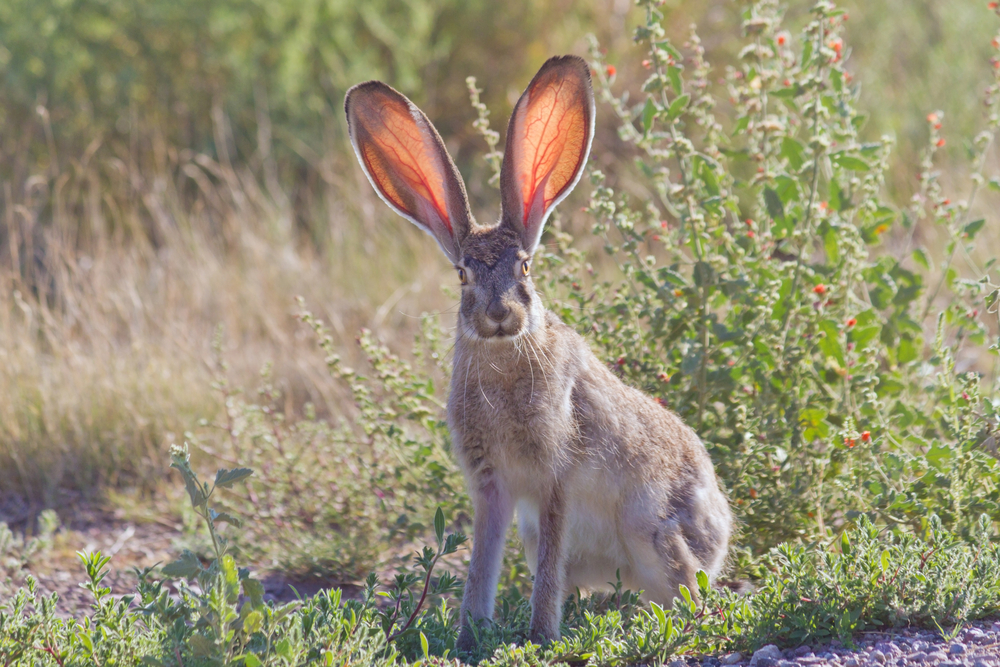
x: 497, y: 311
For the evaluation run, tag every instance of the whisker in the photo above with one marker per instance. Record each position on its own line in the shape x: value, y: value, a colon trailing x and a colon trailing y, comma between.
x: 479, y: 377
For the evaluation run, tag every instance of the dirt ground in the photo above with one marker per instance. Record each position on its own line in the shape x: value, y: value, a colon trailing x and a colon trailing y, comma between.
x: 133, y: 539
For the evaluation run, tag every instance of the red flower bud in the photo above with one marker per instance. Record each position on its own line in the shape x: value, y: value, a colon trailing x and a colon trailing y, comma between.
x: 820, y: 289
x: 611, y: 70
x: 851, y: 322
x: 866, y: 436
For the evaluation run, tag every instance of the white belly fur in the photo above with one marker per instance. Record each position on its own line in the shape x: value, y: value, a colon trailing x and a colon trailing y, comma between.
x: 593, y: 545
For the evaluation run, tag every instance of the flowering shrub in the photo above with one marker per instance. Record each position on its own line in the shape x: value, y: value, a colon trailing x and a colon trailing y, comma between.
x: 758, y: 296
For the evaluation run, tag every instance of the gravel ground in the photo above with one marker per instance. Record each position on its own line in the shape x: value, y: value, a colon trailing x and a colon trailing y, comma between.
x: 977, y: 645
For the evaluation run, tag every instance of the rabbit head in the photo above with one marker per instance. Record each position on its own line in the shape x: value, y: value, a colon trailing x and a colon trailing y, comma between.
x: 548, y: 140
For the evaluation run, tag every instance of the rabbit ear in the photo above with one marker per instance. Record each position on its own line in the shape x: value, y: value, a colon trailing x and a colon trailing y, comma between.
x: 548, y: 140
x: 405, y: 159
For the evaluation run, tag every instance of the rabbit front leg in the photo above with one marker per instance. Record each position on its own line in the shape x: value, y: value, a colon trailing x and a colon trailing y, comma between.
x: 493, y: 509
x: 548, y: 592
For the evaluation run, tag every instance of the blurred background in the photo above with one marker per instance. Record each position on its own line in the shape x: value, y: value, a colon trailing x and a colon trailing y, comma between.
x: 170, y: 167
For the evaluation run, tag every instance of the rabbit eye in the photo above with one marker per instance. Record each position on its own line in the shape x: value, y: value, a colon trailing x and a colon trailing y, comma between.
x: 464, y: 279
x: 524, y: 267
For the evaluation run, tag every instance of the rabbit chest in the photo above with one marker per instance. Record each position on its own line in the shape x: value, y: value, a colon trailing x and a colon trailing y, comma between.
x: 513, y: 418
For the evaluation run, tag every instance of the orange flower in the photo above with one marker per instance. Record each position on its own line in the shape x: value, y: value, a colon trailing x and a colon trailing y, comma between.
x: 940, y: 143
x: 611, y: 70
x: 866, y: 436
x: 820, y: 289
x: 851, y: 322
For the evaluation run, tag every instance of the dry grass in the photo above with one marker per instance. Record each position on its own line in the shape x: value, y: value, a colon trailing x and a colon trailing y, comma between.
x: 118, y: 265
x: 106, y: 331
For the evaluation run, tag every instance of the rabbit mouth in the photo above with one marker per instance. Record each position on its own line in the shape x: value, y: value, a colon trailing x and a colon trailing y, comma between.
x: 494, y: 332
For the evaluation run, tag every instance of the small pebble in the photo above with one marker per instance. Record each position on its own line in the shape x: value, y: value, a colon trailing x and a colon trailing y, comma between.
x: 802, y: 650
x: 677, y: 663
x: 878, y: 656
x: 974, y: 635
x: 770, y: 652
x: 919, y: 656
x: 731, y: 658
x: 887, y: 648
x: 937, y: 656
x: 851, y: 662
x: 956, y: 649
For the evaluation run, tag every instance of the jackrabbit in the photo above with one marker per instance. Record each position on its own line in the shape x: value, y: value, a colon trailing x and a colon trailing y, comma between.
x: 603, y: 478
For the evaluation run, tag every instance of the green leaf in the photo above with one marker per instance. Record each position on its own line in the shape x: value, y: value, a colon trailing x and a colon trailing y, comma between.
x: 251, y: 659
x: 831, y: 344
x: 850, y: 162
x: 84, y: 638
x: 194, y: 489
x: 702, y: 578
x: 781, y: 307
x: 661, y: 617
x: 439, y: 525
x: 920, y: 257
x: 708, y: 177
x: 674, y: 73
x: 424, y: 647
x: 885, y: 560
x: 185, y: 567
x: 253, y: 622
x: 991, y: 299
x: 677, y: 106
x: 970, y: 229
x: 775, y: 208
x: 838, y: 199
x: 867, y: 328
x: 648, y: 113
x: 254, y: 590
x: 226, y: 478
x: 225, y: 517
x: 202, y: 646
x: 792, y: 151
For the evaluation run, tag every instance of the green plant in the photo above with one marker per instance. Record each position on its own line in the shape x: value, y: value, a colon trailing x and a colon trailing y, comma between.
x: 340, y: 499
x: 17, y: 551
x: 758, y: 298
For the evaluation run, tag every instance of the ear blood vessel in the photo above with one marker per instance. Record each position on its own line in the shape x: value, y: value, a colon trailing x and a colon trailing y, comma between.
x: 602, y: 478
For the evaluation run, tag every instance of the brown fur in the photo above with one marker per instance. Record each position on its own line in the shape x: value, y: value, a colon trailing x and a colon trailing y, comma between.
x: 602, y: 477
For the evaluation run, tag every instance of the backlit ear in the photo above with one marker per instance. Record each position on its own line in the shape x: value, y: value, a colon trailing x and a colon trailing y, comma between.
x: 405, y: 159
x: 548, y: 140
